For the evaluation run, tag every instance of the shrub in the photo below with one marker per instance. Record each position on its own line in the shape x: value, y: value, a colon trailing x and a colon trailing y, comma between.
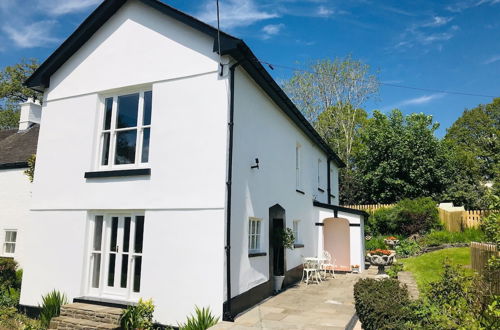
x: 201, y: 321
x: 491, y: 227
x: 374, y: 243
x: 382, y: 221
x: 51, y: 306
x: 8, y: 268
x: 439, y: 237
x: 394, y: 270
x: 139, y: 316
x: 9, y: 297
x: 371, y: 300
x: 416, y: 216
x: 11, y: 319
x: 407, y: 248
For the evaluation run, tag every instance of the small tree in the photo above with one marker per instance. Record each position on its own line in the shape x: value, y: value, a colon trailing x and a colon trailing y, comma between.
x: 283, y: 239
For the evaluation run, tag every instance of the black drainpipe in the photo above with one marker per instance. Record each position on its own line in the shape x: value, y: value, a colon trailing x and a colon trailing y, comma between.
x: 328, y: 186
x: 227, y: 315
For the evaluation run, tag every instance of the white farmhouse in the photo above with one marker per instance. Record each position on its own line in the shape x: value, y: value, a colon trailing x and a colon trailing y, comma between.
x: 16, y: 147
x: 164, y: 166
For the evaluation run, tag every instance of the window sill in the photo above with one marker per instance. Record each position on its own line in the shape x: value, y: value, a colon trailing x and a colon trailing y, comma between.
x: 257, y: 254
x: 321, y: 190
x: 117, y: 173
x: 297, y: 246
x: 300, y: 191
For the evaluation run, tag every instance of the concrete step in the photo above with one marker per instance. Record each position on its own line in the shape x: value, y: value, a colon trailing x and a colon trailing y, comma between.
x: 69, y: 323
x: 87, y: 316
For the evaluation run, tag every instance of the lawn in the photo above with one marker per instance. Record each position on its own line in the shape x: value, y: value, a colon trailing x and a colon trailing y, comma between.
x: 428, y: 267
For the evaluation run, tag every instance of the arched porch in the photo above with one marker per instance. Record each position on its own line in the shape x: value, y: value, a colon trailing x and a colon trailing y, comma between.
x: 337, y: 241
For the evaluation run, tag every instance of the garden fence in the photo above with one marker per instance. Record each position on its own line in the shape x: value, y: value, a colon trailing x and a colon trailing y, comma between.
x: 370, y: 207
x: 479, y: 255
x: 456, y: 221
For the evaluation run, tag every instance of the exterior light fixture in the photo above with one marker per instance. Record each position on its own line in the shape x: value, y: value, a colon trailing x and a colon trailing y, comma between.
x: 256, y: 163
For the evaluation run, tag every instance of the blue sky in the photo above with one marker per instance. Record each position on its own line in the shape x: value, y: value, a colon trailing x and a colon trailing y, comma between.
x: 438, y: 45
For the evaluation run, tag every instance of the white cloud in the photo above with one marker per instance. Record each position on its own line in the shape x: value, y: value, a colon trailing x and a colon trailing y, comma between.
x: 62, y: 7
x: 37, y: 34
x: 272, y: 30
x: 430, y: 38
x: 234, y: 13
x: 493, y: 59
x: 420, y: 100
x: 324, y: 12
x: 437, y: 21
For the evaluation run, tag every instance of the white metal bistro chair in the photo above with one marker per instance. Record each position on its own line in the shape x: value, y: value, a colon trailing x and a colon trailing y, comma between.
x: 328, y: 265
x: 310, y: 271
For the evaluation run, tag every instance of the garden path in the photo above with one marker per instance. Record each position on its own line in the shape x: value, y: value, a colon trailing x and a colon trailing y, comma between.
x: 329, y: 305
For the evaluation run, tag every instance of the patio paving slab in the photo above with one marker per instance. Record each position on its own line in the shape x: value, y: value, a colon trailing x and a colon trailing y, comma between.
x: 328, y: 305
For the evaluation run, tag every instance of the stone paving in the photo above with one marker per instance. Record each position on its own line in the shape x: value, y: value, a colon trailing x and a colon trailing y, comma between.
x: 328, y: 305
x: 408, y: 279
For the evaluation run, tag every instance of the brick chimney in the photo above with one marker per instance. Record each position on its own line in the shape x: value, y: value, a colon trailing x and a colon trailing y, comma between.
x: 31, y: 113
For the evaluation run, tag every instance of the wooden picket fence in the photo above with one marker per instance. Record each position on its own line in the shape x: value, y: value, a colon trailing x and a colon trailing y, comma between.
x: 480, y: 253
x: 459, y: 220
x: 368, y: 207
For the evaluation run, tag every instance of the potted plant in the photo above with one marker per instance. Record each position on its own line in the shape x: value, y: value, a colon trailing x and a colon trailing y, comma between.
x: 391, y: 242
x: 282, y: 239
x: 355, y: 269
x: 381, y: 258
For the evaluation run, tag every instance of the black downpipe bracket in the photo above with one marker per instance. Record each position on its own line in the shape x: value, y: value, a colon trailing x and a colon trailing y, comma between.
x: 227, y: 315
x: 329, y: 185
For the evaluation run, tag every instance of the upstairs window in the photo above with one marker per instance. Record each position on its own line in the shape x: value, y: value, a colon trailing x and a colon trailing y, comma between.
x: 296, y: 232
x: 320, y: 170
x: 9, y: 245
x: 125, y: 130
x: 298, y: 170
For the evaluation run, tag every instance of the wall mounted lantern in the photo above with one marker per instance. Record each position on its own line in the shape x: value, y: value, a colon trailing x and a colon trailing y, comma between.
x: 256, y: 164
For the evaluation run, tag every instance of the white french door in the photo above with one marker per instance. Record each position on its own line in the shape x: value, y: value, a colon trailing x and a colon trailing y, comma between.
x: 115, y: 258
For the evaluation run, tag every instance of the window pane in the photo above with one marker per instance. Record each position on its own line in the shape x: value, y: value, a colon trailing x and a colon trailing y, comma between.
x: 124, y: 272
x: 125, y: 147
x: 147, y: 108
x: 114, y: 232
x: 145, y: 145
x: 105, y: 149
x: 127, y: 110
x: 98, y: 232
x: 96, y: 269
x: 126, y: 234
x: 108, y: 109
x: 137, y: 273
x: 111, y: 269
x: 139, y: 232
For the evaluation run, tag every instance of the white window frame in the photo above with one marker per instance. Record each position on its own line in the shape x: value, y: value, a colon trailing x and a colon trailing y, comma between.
x: 254, y: 235
x: 320, y: 170
x: 296, y: 231
x: 5, y: 242
x: 298, y: 167
x: 113, y: 130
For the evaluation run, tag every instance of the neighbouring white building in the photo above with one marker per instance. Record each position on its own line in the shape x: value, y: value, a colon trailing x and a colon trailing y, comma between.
x: 162, y: 173
x: 16, y: 147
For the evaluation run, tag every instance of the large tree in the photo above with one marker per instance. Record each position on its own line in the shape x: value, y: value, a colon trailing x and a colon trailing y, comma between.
x: 330, y: 94
x: 399, y: 157
x: 477, y: 132
x: 13, y: 92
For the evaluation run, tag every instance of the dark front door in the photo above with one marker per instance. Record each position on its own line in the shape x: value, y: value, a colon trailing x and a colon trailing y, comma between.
x: 278, y: 251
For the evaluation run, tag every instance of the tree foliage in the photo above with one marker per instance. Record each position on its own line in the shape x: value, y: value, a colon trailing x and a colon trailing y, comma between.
x: 330, y: 95
x: 399, y: 157
x: 13, y: 92
x: 477, y: 133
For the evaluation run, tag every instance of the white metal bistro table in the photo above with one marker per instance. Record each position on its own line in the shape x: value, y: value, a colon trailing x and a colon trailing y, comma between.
x: 318, y: 261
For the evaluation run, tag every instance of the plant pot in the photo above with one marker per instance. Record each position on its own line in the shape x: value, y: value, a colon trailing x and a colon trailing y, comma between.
x: 391, y: 243
x: 278, y: 282
x: 381, y: 261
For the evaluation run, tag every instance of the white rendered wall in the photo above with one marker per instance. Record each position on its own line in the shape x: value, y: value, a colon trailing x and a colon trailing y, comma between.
x: 183, y: 199
x: 263, y: 131
x: 15, y: 194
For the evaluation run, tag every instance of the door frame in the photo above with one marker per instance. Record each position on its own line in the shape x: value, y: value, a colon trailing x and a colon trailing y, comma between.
x: 103, y: 291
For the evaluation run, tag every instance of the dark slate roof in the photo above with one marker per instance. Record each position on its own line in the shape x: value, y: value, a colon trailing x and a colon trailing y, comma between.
x: 337, y: 208
x: 229, y: 45
x: 16, y: 147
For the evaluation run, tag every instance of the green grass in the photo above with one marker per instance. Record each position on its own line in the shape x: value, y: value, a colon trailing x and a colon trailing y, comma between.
x: 429, y: 266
